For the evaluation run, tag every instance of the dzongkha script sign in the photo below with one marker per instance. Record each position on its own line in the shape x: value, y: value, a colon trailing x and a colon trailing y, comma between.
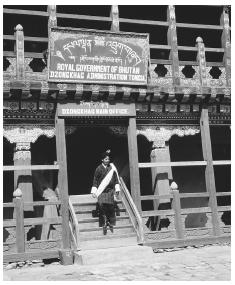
x: 95, y: 109
x: 90, y: 56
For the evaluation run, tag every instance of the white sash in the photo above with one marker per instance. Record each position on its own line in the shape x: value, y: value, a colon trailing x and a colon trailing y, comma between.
x: 105, y: 182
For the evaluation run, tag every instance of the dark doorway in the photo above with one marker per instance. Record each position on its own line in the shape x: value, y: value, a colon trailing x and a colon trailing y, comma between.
x: 84, y: 148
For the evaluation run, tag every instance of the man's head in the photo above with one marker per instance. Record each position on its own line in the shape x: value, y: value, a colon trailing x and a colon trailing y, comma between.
x: 105, y: 157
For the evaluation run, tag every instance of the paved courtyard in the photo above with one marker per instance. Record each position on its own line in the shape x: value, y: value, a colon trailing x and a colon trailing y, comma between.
x: 207, y: 263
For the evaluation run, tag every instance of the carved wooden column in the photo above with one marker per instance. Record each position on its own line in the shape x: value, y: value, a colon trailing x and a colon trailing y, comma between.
x: 226, y: 44
x: 114, y: 14
x: 23, y: 178
x: 161, y: 153
x: 172, y: 41
x: 22, y: 137
x: 161, y: 175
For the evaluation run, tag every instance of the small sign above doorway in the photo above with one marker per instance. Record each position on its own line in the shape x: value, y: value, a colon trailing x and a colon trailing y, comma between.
x: 96, y: 109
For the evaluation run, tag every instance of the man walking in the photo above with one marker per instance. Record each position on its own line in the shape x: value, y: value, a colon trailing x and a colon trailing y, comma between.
x: 105, y: 186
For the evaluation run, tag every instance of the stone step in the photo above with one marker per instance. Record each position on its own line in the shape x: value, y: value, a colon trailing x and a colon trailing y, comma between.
x: 86, y: 223
x: 82, y: 214
x: 108, y: 236
x: 113, y: 255
x: 94, y: 232
x: 85, y: 200
x: 90, y: 206
x: 109, y: 243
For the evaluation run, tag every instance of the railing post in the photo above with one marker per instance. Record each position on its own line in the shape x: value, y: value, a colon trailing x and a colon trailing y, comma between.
x: 172, y: 41
x: 226, y: 44
x: 201, y: 59
x: 179, y: 228
x: 209, y: 174
x: 20, y: 70
x: 52, y: 20
x: 114, y: 14
x: 19, y: 215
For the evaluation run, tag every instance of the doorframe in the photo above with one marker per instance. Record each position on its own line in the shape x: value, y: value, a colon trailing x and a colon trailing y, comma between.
x: 63, y: 175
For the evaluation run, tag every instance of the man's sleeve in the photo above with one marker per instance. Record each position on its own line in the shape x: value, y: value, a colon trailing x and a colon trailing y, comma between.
x: 95, y: 181
x: 96, y: 177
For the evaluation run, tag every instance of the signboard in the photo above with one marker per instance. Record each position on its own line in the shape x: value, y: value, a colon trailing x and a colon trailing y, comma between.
x: 95, y: 109
x: 91, y: 56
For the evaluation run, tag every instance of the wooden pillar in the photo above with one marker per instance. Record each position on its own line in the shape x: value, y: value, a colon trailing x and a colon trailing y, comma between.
x: 23, y: 178
x: 172, y: 41
x: 114, y: 14
x: 133, y: 162
x: 160, y: 179
x: 226, y: 44
x: 161, y: 175
x: 63, y: 180
x: 20, y: 70
x: 209, y: 173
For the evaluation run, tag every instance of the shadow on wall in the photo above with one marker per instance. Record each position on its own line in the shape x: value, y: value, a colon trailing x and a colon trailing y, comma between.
x: 144, y: 151
x: 190, y: 179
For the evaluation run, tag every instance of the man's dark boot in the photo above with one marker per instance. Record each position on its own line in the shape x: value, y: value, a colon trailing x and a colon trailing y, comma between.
x: 105, y: 230
x: 110, y: 226
x: 105, y: 225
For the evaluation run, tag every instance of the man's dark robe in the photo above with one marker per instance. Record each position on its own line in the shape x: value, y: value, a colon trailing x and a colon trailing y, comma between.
x: 106, y: 203
x: 107, y: 196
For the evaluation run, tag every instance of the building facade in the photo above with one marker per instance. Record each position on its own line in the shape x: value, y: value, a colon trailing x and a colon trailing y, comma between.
x: 170, y: 136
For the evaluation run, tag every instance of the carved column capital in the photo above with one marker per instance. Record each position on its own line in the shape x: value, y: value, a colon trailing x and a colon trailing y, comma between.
x: 159, y: 136
x: 22, y: 155
x: 23, y: 146
x: 25, y: 135
x: 22, y: 151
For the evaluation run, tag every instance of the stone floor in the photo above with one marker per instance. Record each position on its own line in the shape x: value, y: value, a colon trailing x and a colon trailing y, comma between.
x: 207, y: 263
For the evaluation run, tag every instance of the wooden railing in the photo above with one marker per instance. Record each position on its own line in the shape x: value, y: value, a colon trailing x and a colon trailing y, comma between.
x: 20, y: 246
x: 214, y: 209
x: 132, y: 212
x: 73, y: 225
x: 180, y: 215
x: 19, y: 222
